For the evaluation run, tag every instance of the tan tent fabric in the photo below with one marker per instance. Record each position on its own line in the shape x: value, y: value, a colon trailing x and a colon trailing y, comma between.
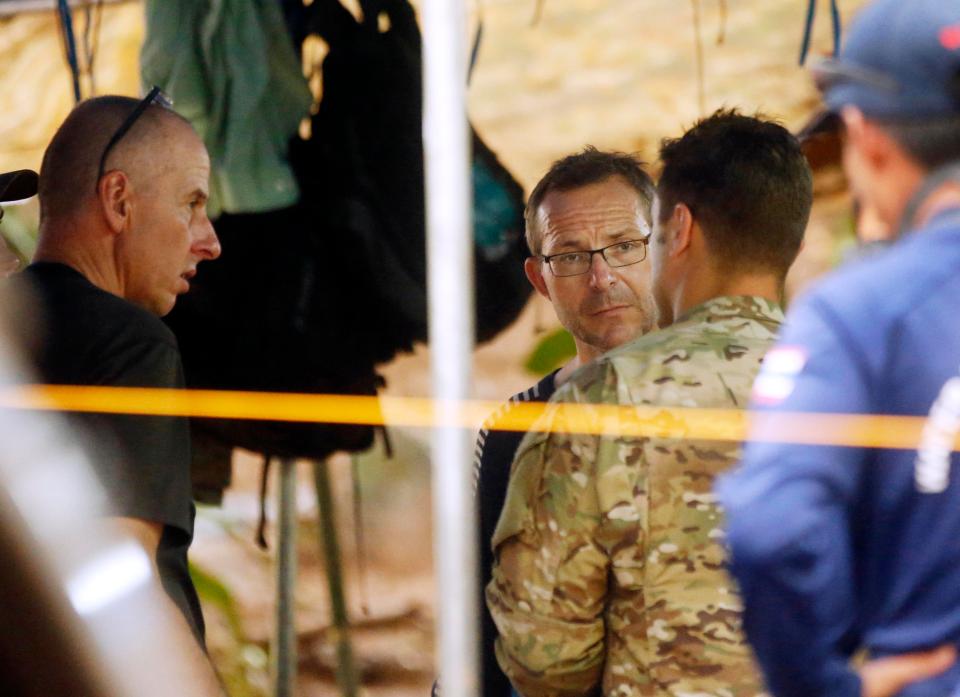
x: 614, y: 73
x: 35, y: 84
x: 617, y: 73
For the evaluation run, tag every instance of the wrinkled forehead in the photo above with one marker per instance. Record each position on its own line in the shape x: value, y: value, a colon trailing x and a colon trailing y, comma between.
x: 192, y: 153
x: 178, y: 158
x: 606, y: 210
x: 180, y: 140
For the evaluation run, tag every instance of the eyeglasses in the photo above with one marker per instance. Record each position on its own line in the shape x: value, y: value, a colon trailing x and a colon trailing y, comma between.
x: 155, y: 95
x: 623, y: 253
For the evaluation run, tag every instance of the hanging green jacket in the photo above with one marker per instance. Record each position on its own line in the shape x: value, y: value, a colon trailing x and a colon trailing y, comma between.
x: 231, y: 70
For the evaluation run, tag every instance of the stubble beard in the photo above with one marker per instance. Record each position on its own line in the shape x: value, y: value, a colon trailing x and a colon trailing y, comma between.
x: 610, y: 335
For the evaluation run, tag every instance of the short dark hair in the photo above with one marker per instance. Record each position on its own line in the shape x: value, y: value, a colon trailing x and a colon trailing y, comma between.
x: 748, y: 185
x: 580, y: 169
x: 931, y: 142
x: 68, y: 173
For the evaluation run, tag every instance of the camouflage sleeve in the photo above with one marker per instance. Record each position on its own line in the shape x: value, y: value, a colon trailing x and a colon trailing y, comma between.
x: 550, y: 571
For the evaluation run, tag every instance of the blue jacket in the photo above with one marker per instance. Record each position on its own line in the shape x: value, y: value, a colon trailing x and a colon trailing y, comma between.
x: 838, y: 548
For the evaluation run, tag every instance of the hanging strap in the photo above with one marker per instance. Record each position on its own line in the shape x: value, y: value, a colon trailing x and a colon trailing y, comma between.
x: 261, y: 537
x: 475, y: 50
x: 91, y: 40
x: 837, y: 27
x: 949, y: 172
x: 808, y: 29
x: 70, y: 45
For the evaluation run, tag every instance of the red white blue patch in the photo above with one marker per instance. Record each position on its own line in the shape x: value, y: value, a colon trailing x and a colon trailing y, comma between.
x: 950, y: 37
x: 778, y: 374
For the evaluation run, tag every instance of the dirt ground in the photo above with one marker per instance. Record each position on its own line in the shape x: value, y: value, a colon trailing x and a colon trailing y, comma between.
x: 390, y: 603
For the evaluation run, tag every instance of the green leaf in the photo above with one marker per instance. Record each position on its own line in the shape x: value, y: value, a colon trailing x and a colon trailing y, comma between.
x: 553, y: 351
x: 213, y: 590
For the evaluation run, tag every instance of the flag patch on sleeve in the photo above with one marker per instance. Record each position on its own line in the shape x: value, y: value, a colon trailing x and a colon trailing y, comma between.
x: 778, y: 374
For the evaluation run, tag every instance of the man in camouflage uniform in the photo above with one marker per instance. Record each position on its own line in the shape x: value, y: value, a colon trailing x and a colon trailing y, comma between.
x: 609, y: 563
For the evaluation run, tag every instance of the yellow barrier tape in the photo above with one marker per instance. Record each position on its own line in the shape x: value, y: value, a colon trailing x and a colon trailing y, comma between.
x: 855, y: 430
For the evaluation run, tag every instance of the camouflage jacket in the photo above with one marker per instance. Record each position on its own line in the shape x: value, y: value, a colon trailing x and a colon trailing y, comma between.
x: 609, y: 559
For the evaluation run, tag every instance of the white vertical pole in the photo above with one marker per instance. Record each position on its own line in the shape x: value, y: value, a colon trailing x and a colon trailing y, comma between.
x: 450, y: 303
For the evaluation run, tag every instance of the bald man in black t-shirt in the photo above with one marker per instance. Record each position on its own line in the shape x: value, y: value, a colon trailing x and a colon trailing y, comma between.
x: 123, y: 225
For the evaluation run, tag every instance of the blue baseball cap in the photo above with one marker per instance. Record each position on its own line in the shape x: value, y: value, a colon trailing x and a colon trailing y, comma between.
x: 900, y: 60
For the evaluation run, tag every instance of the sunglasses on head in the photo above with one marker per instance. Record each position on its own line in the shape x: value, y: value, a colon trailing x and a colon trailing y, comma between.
x: 154, y: 96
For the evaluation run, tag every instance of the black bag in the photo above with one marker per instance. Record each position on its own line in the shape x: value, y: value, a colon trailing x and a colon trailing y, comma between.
x: 311, y: 298
x: 363, y: 170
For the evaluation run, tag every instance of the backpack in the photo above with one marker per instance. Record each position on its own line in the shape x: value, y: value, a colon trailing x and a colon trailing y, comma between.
x: 312, y: 297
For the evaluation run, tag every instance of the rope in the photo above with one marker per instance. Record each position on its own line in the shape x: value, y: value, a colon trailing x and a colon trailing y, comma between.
x: 261, y: 536
x: 835, y: 17
x: 722, y: 29
x: 949, y: 172
x: 70, y: 45
x: 91, y: 40
x: 475, y: 50
x: 808, y: 29
x: 698, y: 45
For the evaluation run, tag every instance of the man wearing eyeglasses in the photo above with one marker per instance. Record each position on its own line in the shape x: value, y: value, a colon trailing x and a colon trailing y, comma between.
x: 609, y: 566
x: 844, y: 549
x: 123, y: 226
x: 587, y: 227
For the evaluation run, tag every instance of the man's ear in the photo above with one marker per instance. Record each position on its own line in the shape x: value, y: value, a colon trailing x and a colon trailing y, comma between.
x: 533, y: 267
x: 870, y: 141
x: 113, y: 195
x: 681, y: 226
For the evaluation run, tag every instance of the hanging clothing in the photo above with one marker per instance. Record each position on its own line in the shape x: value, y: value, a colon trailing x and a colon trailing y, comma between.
x: 231, y: 70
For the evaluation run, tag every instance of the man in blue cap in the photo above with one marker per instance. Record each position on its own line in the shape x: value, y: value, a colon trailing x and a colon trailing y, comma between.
x: 843, y: 550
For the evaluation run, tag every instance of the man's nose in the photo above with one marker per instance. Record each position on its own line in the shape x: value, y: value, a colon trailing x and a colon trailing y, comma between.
x: 208, y: 244
x: 601, y: 275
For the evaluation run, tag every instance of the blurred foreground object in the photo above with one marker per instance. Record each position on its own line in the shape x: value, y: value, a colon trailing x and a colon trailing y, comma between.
x: 18, y: 185
x: 843, y: 550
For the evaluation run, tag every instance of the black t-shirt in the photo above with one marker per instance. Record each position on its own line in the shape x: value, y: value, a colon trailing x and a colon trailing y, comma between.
x: 92, y: 337
x: 493, y: 457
